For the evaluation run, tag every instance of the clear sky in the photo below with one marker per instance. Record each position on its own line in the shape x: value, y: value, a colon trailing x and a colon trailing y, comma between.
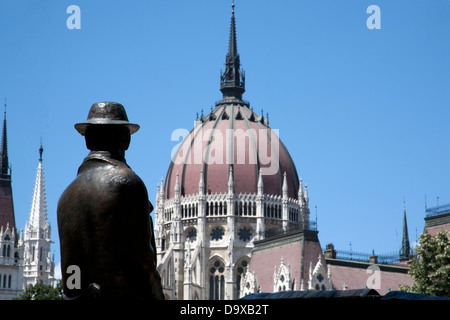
x: 363, y: 112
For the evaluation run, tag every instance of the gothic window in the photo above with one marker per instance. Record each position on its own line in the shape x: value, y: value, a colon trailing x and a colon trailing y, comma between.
x: 4, y: 250
x: 244, y: 234
x: 217, y: 281
x: 217, y: 233
x: 4, y: 281
x: 8, y: 251
x: 320, y: 277
x: 240, y: 276
x: 7, y: 238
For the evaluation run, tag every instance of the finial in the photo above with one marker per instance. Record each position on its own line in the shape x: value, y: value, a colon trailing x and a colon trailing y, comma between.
x: 232, y: 7
x: 41, y: 150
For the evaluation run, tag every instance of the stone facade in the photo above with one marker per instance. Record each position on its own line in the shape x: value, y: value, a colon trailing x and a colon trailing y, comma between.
x: 205, y: 241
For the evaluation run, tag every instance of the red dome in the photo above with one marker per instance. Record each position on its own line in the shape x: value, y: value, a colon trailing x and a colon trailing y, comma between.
x: 231, y: 136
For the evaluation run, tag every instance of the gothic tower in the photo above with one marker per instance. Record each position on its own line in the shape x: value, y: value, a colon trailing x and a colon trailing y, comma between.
x: 231, y: 182
x: 405, y: 250
x: 38, y: 265
x: 6, y: 200
x: 11, y: 250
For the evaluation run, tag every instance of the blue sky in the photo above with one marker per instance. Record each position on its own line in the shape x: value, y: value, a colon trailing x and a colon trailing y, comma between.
x: 364, y: 113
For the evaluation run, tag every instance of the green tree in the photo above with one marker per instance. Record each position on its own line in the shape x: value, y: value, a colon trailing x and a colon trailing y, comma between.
x: 431, y: 270
x: 40, y: 291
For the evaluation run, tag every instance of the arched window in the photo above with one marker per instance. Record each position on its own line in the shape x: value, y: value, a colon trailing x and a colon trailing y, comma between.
x: 8, y: 251
x: 240, y: 271
x: 216, y: 281
x: 9, y: 281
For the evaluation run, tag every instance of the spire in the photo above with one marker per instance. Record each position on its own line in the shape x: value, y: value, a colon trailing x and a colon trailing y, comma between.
x: 260, y: 183
x: 405, y: 249
x: 6, y: 199
x: 38, y: 214
x: 4, y: 168
x: 285, y: 186
x: 306, y: 195
x: 300, y: 192
x: 201, y: 183
x: 232, y: 81
x: 230, y: 181
x: 177, y: 187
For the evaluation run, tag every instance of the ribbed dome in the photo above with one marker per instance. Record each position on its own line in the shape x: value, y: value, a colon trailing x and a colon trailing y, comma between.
x: 214, y: 149
x: 216, y: 145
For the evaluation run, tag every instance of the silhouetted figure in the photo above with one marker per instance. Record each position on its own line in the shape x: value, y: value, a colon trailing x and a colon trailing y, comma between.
x: 104, y: 219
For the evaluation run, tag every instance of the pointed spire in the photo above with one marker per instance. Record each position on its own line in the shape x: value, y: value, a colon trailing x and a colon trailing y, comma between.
x: 285, y: 186
x: 306, y: 195
x: 176, y: 188
x: 260, y: 183
x: 201, y: 183
x: 300, y: 192
x: 232, y: 80
x: 5, y: 173
x: 405, y: 249
x: 161, y: 190
x: 41, y: 150
x: 230, y: 181
x: 38, y: 214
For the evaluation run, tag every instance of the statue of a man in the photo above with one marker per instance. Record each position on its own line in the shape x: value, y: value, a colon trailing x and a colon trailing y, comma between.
x: 104, y: 222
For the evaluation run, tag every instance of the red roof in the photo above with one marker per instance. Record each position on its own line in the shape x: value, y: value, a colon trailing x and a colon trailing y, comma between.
x: 6, y: 205
x: 212, y: 147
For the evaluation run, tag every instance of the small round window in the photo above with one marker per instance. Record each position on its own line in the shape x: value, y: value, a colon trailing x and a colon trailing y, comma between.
x: 217, y: 233
x: 245, y: 234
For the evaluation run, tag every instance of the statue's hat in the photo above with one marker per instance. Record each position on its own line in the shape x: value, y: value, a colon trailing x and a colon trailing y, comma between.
x: 106, y: 113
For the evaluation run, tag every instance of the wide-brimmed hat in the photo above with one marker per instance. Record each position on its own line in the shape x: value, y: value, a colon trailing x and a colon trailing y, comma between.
x: 106, y: 113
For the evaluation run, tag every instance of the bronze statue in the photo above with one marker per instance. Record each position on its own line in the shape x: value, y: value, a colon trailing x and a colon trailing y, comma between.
x: 104, y: 222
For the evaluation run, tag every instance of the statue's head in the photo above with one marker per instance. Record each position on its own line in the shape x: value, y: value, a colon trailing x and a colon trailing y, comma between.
x: 107, y: 127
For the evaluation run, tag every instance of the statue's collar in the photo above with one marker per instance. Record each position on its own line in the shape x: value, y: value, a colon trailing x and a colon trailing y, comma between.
x: 106, y: 156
